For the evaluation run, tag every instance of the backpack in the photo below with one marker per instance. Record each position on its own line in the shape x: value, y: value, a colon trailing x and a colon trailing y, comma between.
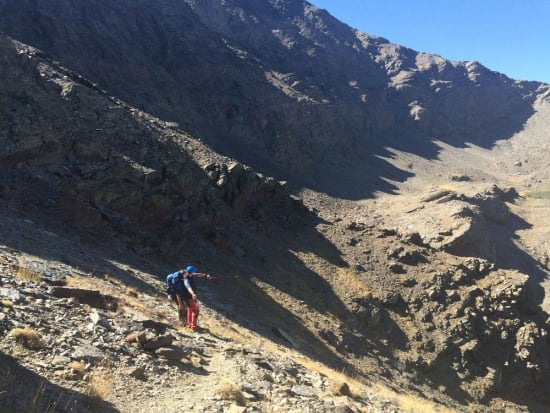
x: 174, y: 283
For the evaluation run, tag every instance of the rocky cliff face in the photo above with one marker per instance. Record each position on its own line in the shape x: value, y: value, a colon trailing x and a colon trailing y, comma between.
x: 103, y: 166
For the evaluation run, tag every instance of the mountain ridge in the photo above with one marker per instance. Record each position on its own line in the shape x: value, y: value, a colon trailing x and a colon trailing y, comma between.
x: 383, y: 91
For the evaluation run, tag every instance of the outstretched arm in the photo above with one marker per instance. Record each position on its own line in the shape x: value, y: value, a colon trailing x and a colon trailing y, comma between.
x: 187, y: 284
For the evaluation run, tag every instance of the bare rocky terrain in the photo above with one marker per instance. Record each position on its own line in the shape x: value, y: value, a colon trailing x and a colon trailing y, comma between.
x: 378, y: 232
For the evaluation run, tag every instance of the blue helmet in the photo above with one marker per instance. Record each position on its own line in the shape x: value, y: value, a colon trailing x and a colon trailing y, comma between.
x: 191, y: 269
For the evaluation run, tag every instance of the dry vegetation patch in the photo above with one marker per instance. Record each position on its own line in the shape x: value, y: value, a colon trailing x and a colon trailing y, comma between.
x: 340, y: 388
x: 27, y: 274
x: 99, y: 387
x: 6, y: 303
x: 342, y: 383
x: 228, y: 390
x: 346, y: 385
x: 27, y: 337
x: 415, y: 404
x: 352, y: 282
x: 78, y: 368
x: 410, y: 403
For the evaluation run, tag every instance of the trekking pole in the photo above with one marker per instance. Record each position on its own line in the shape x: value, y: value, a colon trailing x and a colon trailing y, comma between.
x: 217, y: 277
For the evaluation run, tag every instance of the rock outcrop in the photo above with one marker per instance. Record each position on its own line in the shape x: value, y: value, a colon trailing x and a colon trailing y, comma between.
x: 101, y: 166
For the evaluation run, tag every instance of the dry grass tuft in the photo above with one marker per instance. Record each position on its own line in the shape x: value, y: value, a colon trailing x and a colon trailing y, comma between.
x: 414, y: 404
x: 353, y: 282
x: 133, y: 303
x: 73, y: 281
x: 345, y: 385
x: 230, y: 391
x: 99, y: 387
x: 409, y: 403
x: 227, y: 332
x: 477, y: 408
x: 38, y: 399
x: 341, y: 382
x: 340, y: 388
x: 28, y: 338
x: 78, y: 368
x: 6, y: 303
x: 163, y: 314
x: 131, y: 291
x: 126, y: 296
x: 27, y: 274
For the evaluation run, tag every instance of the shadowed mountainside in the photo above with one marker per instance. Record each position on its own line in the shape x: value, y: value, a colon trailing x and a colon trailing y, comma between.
x: 100, y: 170
x: 264, y: 82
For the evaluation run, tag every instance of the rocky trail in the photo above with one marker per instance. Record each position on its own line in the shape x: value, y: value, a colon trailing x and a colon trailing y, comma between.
x: 77, y: 342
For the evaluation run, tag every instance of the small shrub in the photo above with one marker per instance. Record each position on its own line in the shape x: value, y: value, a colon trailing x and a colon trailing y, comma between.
x: 131, y: 291
x: 78, y: 367
x: 45, y: 401
x: 27, y: 274
x: 6, y: 303
x: 230, y: 391
x: 339, y: 388
x: 78, y: 370
x: 28, y: 338
x: 99, y: 387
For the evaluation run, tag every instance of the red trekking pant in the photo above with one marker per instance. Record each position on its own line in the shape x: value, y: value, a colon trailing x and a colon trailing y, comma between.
x: 192, y: 313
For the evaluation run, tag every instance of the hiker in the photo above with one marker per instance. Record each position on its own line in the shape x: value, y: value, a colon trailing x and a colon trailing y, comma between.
x: 180, y: 287
x: 174, y: 290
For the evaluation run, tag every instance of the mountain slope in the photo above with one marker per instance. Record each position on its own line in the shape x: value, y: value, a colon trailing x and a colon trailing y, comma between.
x: 263, y: 82
x: 417, y: 277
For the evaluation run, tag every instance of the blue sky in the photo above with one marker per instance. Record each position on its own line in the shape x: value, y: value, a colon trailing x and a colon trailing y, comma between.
x: 508, y: 36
